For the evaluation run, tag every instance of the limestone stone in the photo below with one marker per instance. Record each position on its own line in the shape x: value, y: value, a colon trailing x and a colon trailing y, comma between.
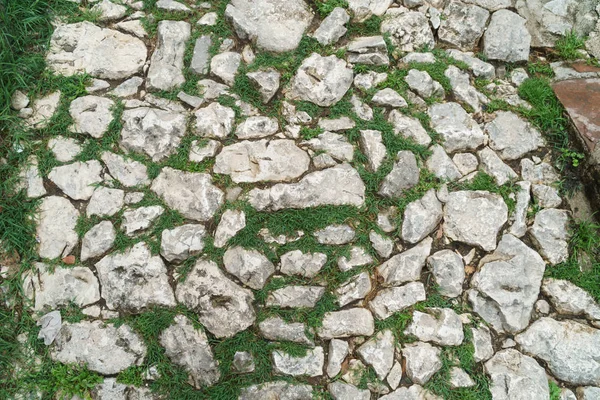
x: 439, y: 325
x: 334, y: 144
x: 406, y: 266
x: 422, y: 83
x: 355, y: 288
x: 166, y: 64
x: 201, y: 56
x: 332, y: 27
x: 512, y: 137
x: 482, y: 343
x: 182, y: 242
x: 408, y: 30
x: 370, y: 50
x: 275, y: 328
x: 345, y: 391
x: 361, y: 109
x: 363, y: 9
x: 280, y: 390
x: 267, y: 82
x: 225, y: 65
x: 76, y: 180
x: 550, y: 234
x: 65, y: 149
x: 479, y: 68
x: 346, y: 323
x: 98, y: 240
x: 232, y: 221
x: 542, y: 173
x: 462, y: 90
x: 588, y: 393
x: 519, y: 226
x: 190, y: 193
x: 50, y: 324
x: 421, y: 217
x: 139, y: 219
x: 493, y: 165
x: 109, y: 11
x: 43, y: 109
x: 211, y: 90
x: 105, y: 202
x: 91, y: 115
x: 310, y: 365
x: 134, y: 27
x: 296, y: 262
x: 464, y: 24
x: 569, y: 299
x: 391, y: 300
x: 19, y: 100
x: 460, y: 379
x: 243, y: 362
x: 358, y: 257
x: 546, y: 196
x: 129, y: 172
x: 409, y: 127
x: 200, y: 153
x: 257, y: 127
x: 381, y: 244
x: 404, y: 175
x: 338, y: 351
x: 389, y: 98
x: 214, y: 121
x: 295, y: 297
x: 448, y: 270
x: 30, y: 179
x: 378, y: 352
x: 172, y: 5
x: 223, y: 307
x: 514, y: 374
x: 458, y: 130
x: 56, y: 222
x: 250, y: 266
x: 422, y: 361
x: 128, y: 88
x: 369, y: 80
x: 506, y: 38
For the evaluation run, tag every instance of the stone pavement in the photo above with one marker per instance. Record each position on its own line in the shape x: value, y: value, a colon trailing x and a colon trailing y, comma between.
x: 358, y: 212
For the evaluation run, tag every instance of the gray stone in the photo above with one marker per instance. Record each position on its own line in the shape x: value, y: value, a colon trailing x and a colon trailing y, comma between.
x: 381, y: 244
x: 419, y: 58
x: 378, y: 352
x: 339, y: 185
x: 409, y: 127
x: 505, y: 303
x: 404, y: 175
x: 422, y: 83
x: 65, y: 149
x: 414, y: 392
x: 101, y: 347
x: 100, y: 52
x: 210, y: 90
x: 273, y: 25
x: 338, y: 351
x: 98, y: 240
x: 190, y: 193
x: 514, y: 375
x: 464, y: 24
x: 77, y: 180
x: 421, y: 217
x: 542, y: 173
x: 296, y: 262
x: 332, y: 27
x: 279, y: 390
x: 546, y: 196
x: 355, y: 288
x: 295, y: 297
x: 408, y: 30
x: 550, y: 234
x: 462, y: 90
x: 475, y: 218
x: 129, y: 172
x: 182, y: 242
x: 395, y: 376
x: 30, y: 179
x: 482, y: 343
x: 335, y: 234
x: 209, y: 150
x: 232, y: 221
x: 493, y: 165
x: 266, y: 81
x: 223, y: 307
x: 172, y: 5
x: 363, y: 9
x: 56, y: 223
x: 492, y: 5
x: 406, y: 266
x: 139, y: 219
x: 345, y: 391
x: 134, y: 280
x: 389, y: 98
x: 506, y: 37
x: 214, y: 121
x: 512, y: 137
x: 439, y: 325
x: 346, y: 323
x: 460, y: 379
x: 250, y: 266
x: 152, y: 131
x: 128, y: 88
x: 334, y: 144
x: 588, y: 393
x: 480, y: 68
x: 519, y: 226
x: 257, y: 127
x: 422, y: 361
x: 43, y: 109
x: 243, y: 362
x: 569, y: 299
x: 189, y: 348
x: 458, y: 130
x: 321, y: 80
x: 361, y: 109
x: 370, y: 50
x: 108, y: 11
x: 18, y: 100
x: 369, y: 80
x: 201, y: 55
x: 358, y: 257
x: 91, y: 115
x: 275, y: 328
x: 105, y: 202
x: 134, y: 27
x: 225, y: 66
x: 262, y: 160
x: 166, y: 64
x: 309, y: 365
x: 465, y: 163
x: 395, y: 299
x: 448, y: 270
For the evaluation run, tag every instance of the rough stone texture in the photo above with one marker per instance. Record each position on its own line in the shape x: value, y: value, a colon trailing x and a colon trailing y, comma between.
x: 267, y: 82
x: 91, y: 115
x: 459, y: 378
x: 166, y: 64
x: 339, y: 185
x: 406, y: 266
x: 333, y: 144
x: 422, y: 83
x: 482, y: 342
x: 56, y: 223
x: 332, y: 27
x: 389, y: 98
x: 321, y: 80
x: 257, y: 127
x: 439, y: 325
x: 223, y: 307
x: 275, y: 328
x: 441, y: 165
x: 569, y: 299
x: 295, y: 297
x: 474, y: 217
x: 492, y: 165
x: 335, y: 234
x: 243, y: 362
x: 422, y: 361
x: 210, y: 149
x: 262, y: 160
x: 225, y: 66
x: 129, y: 172
x: 201, y: 56
x: 182, y: 242
x: 108, y: 10
x: 77, y: 180
x: 458, y: 130
x: 274, y: 25
x: 463, y: 26
x: 105, y: 202
x: 506, y: 37
x: 250, y: 266
x: 296, y: 262
x: 189, y: 348
x: 391, y: 300
x: 514, y: 375
x: 519, y: 226
x: 232, y: 221
x: 378, y: 352
x: 190, y: 193
x: 279, y: 390
x: 310, y: 365
x: 409, y: 30
x: 421, y: 217
x: 370, y: 50
x: 355, y: 288
x: 152, y: 131
x: 98, y: 240
x: 346, y: 323
x: 504, y: 302
x: 345, y: 391
x: 358, y: 257
x: 134, y: 280
x: 103, y: 348
x: 139, y: 219
x: 100, y: 52
x: 448, y: 270
x: 214, y: 121
x: 404, y: 175
x: 550, y: 234
x: 511, y: 137
x: 479, y: 68
x: 30, y: 179
x: 338, y: 351
x: 381, y: 244
x: 42, y: 110
x: 363, y: 9
x: 546, y: 196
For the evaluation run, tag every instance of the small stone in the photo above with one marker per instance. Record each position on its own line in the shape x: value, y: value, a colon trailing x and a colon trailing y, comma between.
x: 406, y: 266
x: 128, y: 172
x: 513, y: 374
x: 105, y: 202
x: 345, y: 391
x: 232, y: 221
x: 460, y: 379
x: 588, y: 393
x: 201, y: 55
x: 336, y: 145
x: 191, y: 101
x: 370, y: 50
x: 97, y: 85
x: 335, y: 235
x: 50, y: 325
x: 465, y: 163
x: 56, y: 223
x: 458, y: 130
x: 482, y: 343
x: 421, y: 217
x: 128, y: 88
x: 257, y: 127
x: 209, y: 150
x: 346, y: 323
x: 369, y: 80
x: 422, y: 361
x: 506, y: 37
x: 65, y: 149
x: 492, y: 165
x: 225, y: 66
x: 98, y: 240
x: 135, y: 27
x: 250, y: 266
x: 295, y: 297
x: 404, y: 175
x: 296, y: 262
x: 448, y: 270
x: 109, y: 11
x: 139, y: 219
x: 91, y: 115
x: 419, y: 58
x: 464, y: 24
x: 182, y: 242
x: 277, y: 329
x: 19, y: 100
x: 76, y: 180
x: 546, y: 196
x: 362, y: 10
x: 243, y: 362
x: 479, y: 68
x: 542, y: 173
x: 542, y: 307
x: 277, y: 390
x: 361, y: 109
x: 358, y: 257
x: 382, y: 245
x: 379, y: 353
x: 214, y: 121
x: 569, y: 299
x: 440, y: 326
x: 338, y: 351
x: 519, y: 226
x: 409, y: 127
x: 310, y: 365
x: 463, y: 91
x: 550, y: 234
x: 372, y: 145
x: 395, y: 299
x: 267, y: 82
x: 424, y: 85
x: 43, y: 110
x: 208, y: 19
x: 332, y: 27
x: 512, y: 137
x: 30, y: 179
x: 355, y: 288
x: 409, y: 30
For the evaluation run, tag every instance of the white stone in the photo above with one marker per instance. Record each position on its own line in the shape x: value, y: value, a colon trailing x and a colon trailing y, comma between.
x: 56, y: 234
x: 358, y: 257
x: 379, y: 353
x: 506, y: 38
x: 406, y: 266
x: 166, y: 64
x: 355, y: 288
x: 463, y: 26
x: 232, y: 221
x: 514, y: 374
x: 333, y: 144
x: 257, y: 128
x: 408, y: 30
x: 493, y: 165
x: 296, y: 262
x: 98, y: 240
x: 404, y: 175
x: 512, y: 137
x: 372, y: 146
x: 439, y: 325
x: 91, y: 115
x: 30, y: 179
x: 139, y: 219
x: 267, y: 82
x: 448, y: 270
x: 43, y: 109
x: 332, y: 27
x: 346, y: 323
x: 392, y: 300
x: 569, y: 299
x: 421, y: 217
x: 458, y: 130
x: 550, y: 234
x: 338, y: 351
x: 295, y: 297
x: 309, y: 365
x: 182, y: 242
x: 250, y: 266
x: 277, y: 329
x: 109, y: 11
x: 65, y: 149
x: 129, y: 172
x: 105, y: 202
x: 422, y: 83
x: 422, y: 361
x: 225, y: 66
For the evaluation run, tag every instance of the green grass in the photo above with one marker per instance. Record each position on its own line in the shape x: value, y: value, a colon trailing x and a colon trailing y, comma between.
x: 568, y: 46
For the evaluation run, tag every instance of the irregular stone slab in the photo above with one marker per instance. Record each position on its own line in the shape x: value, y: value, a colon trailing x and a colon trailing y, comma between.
x: 190, y: 193
x: 62, y: 286
x: 334, y: 144
x: 188, y: 347
x: 243, y: 362
x: 267, y: 82
x: 130, y: 173
x: 262, y: 160
x: 346, y: 323
x: 482, y: 343
x: 128, y: 88
x: 460, y: 379
x: 257, y: 127
x: 459, y: 131
x: 414, y: 392
x: 332, y: 27
x: 421, y: 217
x: 152, y: 131
x: 339, y: 185
x: 101, y: 347
x: 50, y: 326
x: 345, y: 391
x: 519, y: 226
x: 370, y: 50
x: 463, y: 26
x: 103, y: 53
x: 105, y: 202
x: 139, y: 219
x: 492, y: 5
x: 542, y: 173
x: 275, y: 328
x: 408, y: 30
x: 309, y: 365
x: 381, y: 244
x: 56, y: 222
x: 569, y: 299
x: 514, y: 374
x: 201, y: 56
x: 588, y: 393
x: 225, y: 66
x: 505, y: 303
x: 448, y: 270
x: 166, y: 64
x: 422, y: 83
x: 19, y: 100
x: 363, y: 9
x: 391, y: 300
x: 214, y: 121
x: 546, y: 196
x: 171, y: 5
x: 280, y: 390
x: 250, y: 266
x: 30, y: 179
x: 372, y: 145
x: 550, y: 234
x: 492, y: 165
x: 439, y: 325
x: 91, y: 115
x: 409, y: 128
x: 338, y: 351
x: 358, y: 257
x: 321, y: 80
x: 406, y: 266
x: 182, y: 242
x: 404, y: 175
x: 98, y: 240
x: 378, y: 352
x: 232, y: 221
x: 135, y: 27
x: 460, y: 82
x: 479, y: 68
x: 361, y: 109
x: 77, y: 180
x: 422, y: 361
x: 274, y: 25
x: 506, y: 38
x: 355, y: 288
x: 389, y: 98
x: 475, y: 217
x: 465, y: 162
x: 108, y: 10
x: 296, y: 262
x: 335, y: 234
x: 134, y: 280
x: 223, y: 307
x: 295, y: 297
x: 512, y: 137
x: 200, y: 153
